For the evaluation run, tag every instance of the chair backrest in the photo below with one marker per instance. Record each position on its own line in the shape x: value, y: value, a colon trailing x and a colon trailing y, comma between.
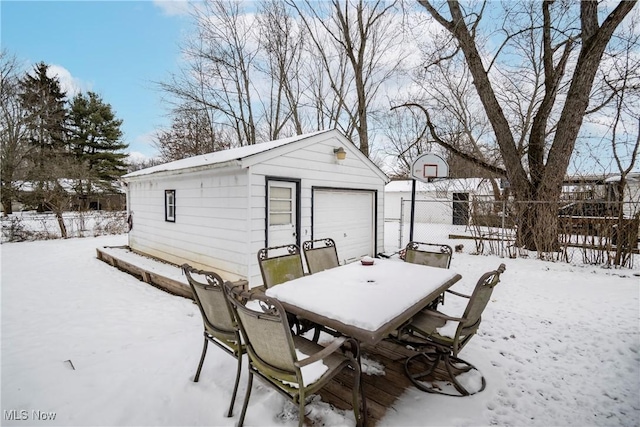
x: 477, y: 303
x: 321, y: 254
x: 431, y: 254
x: 266, y: 334
x: 211, y: 300
x: 280, y: 268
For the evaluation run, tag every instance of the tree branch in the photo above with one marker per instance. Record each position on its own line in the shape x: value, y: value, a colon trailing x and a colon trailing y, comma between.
x: 466, y: 156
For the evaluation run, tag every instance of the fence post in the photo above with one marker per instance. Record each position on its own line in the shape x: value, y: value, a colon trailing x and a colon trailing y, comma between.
x: 401, y: 222
x: 502, y: 238
x: 413, y: 208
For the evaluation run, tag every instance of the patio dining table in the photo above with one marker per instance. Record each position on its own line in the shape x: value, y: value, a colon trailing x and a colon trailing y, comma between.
x: 365, y: 302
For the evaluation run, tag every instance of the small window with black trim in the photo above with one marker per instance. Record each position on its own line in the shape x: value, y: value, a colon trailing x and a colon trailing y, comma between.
x: 170, y: 205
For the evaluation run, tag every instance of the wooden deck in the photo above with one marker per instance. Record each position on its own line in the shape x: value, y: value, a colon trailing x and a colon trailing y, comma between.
x: 381, y: 391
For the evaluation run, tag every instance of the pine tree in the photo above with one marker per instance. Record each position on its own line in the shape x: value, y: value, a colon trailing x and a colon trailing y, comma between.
x: 95, y: 140
x: 44, y: 102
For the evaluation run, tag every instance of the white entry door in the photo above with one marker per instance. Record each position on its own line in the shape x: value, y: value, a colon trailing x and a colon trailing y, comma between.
x: 281, y: 213
x: 346, y: 216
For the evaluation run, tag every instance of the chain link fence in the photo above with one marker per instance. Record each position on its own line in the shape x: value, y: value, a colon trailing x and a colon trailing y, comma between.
x: 594, y: 232
x: 27, y: 226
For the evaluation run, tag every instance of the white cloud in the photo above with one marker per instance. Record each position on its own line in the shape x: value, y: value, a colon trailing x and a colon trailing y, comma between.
x: 137, y: 157
x: 173, y: 7
x: 141, y: 146
x: 69, y: 84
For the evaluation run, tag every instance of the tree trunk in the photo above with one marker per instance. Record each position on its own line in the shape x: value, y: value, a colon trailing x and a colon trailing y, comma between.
x: 7, y: 199
x: 537, y: 222
x: 6, y: 206
x: 63, y: 227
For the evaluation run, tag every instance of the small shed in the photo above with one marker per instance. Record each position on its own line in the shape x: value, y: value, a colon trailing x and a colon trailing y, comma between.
x: 215, y: 211
x: 445, y: 201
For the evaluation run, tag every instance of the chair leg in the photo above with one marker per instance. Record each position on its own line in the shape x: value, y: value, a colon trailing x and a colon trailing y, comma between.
x: 432, y: 360
x: 449, y: 360
x: 204, y: 353
x: 235, y: 387
x: 246, y: 399
x: 301, y: 413
x: 359, y: 401
x: 432, y: 364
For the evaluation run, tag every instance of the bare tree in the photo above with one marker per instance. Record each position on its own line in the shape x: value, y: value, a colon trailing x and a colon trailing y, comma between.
x: 191, y: 134
x: 620, y: 89
x: 14, y: 144
x: 218, y: 76
x: 407, y: 139
x: 572, y: 44
x: 244, y: 69
x: 282, y: 41
x: 446, y: 87
x: 359, y: 48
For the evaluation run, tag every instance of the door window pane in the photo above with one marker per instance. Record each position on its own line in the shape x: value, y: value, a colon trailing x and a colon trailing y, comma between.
x: 280, y: 205
x: 280, y: 193
x: 280, y: 218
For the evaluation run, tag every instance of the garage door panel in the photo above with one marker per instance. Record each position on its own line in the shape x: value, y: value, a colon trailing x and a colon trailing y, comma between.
x: 348, y: 218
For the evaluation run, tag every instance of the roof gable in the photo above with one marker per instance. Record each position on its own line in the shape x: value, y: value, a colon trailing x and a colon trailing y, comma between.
x: 220, y: 157
x: 251, y: 154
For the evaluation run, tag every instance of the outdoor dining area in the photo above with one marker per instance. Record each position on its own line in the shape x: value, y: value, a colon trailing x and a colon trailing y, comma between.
x: 314, y: 326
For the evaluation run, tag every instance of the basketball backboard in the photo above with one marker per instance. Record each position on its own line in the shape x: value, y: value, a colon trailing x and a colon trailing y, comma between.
x: 428, y: 166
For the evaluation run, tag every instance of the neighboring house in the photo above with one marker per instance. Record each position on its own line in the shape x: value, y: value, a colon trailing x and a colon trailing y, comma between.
x: 99, y: 199
x: 631, y: 196
x: 215, y: 211
x: 597, y: 196
x: 445, y: 201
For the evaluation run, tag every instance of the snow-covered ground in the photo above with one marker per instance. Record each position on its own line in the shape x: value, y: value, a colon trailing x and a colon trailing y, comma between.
x: 89, y: 345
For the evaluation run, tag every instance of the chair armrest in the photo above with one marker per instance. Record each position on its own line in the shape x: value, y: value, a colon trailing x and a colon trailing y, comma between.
x: 458, y: 294
x: 331, y: 348
x: 443, y: 316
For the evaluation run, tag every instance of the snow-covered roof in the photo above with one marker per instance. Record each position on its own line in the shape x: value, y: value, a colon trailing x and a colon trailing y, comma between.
x: 219, y: 157
x: 69, y: 185
x: 631, y: 177
x: 455, y: 184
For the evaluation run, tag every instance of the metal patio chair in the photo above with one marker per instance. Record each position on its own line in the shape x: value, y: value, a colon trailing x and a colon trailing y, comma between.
x: 321, y: 254
x: 279, y: 264
x: 431, y: 254
x: 429, y: 327
x: 220, y: 327
x: 281, y: 358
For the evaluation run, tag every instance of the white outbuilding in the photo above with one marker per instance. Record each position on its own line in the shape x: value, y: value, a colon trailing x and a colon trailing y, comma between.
x: 445, y: 201
x: 215, y: 211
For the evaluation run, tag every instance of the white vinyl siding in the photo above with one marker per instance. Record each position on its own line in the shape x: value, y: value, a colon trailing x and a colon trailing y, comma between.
x: 221, y: 209
x: 210, y: 228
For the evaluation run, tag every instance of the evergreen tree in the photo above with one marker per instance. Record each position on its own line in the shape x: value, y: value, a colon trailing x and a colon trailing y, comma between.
x: 95, y: 140
x: 44, y: 103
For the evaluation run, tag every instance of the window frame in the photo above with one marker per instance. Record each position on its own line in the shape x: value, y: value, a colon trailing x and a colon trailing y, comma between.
x: 169, y: 196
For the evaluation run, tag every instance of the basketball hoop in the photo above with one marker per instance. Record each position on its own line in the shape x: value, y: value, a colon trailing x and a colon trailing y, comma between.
x: 429, y: 166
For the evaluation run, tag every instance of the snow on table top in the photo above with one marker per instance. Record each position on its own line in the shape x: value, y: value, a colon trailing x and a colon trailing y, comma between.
x: 366, y: 297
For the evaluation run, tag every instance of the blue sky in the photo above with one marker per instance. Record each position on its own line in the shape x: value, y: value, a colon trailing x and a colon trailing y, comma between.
x: 117, y: 49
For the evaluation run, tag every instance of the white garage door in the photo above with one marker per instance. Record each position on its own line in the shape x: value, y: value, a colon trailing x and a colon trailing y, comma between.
x: 348, y: 218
